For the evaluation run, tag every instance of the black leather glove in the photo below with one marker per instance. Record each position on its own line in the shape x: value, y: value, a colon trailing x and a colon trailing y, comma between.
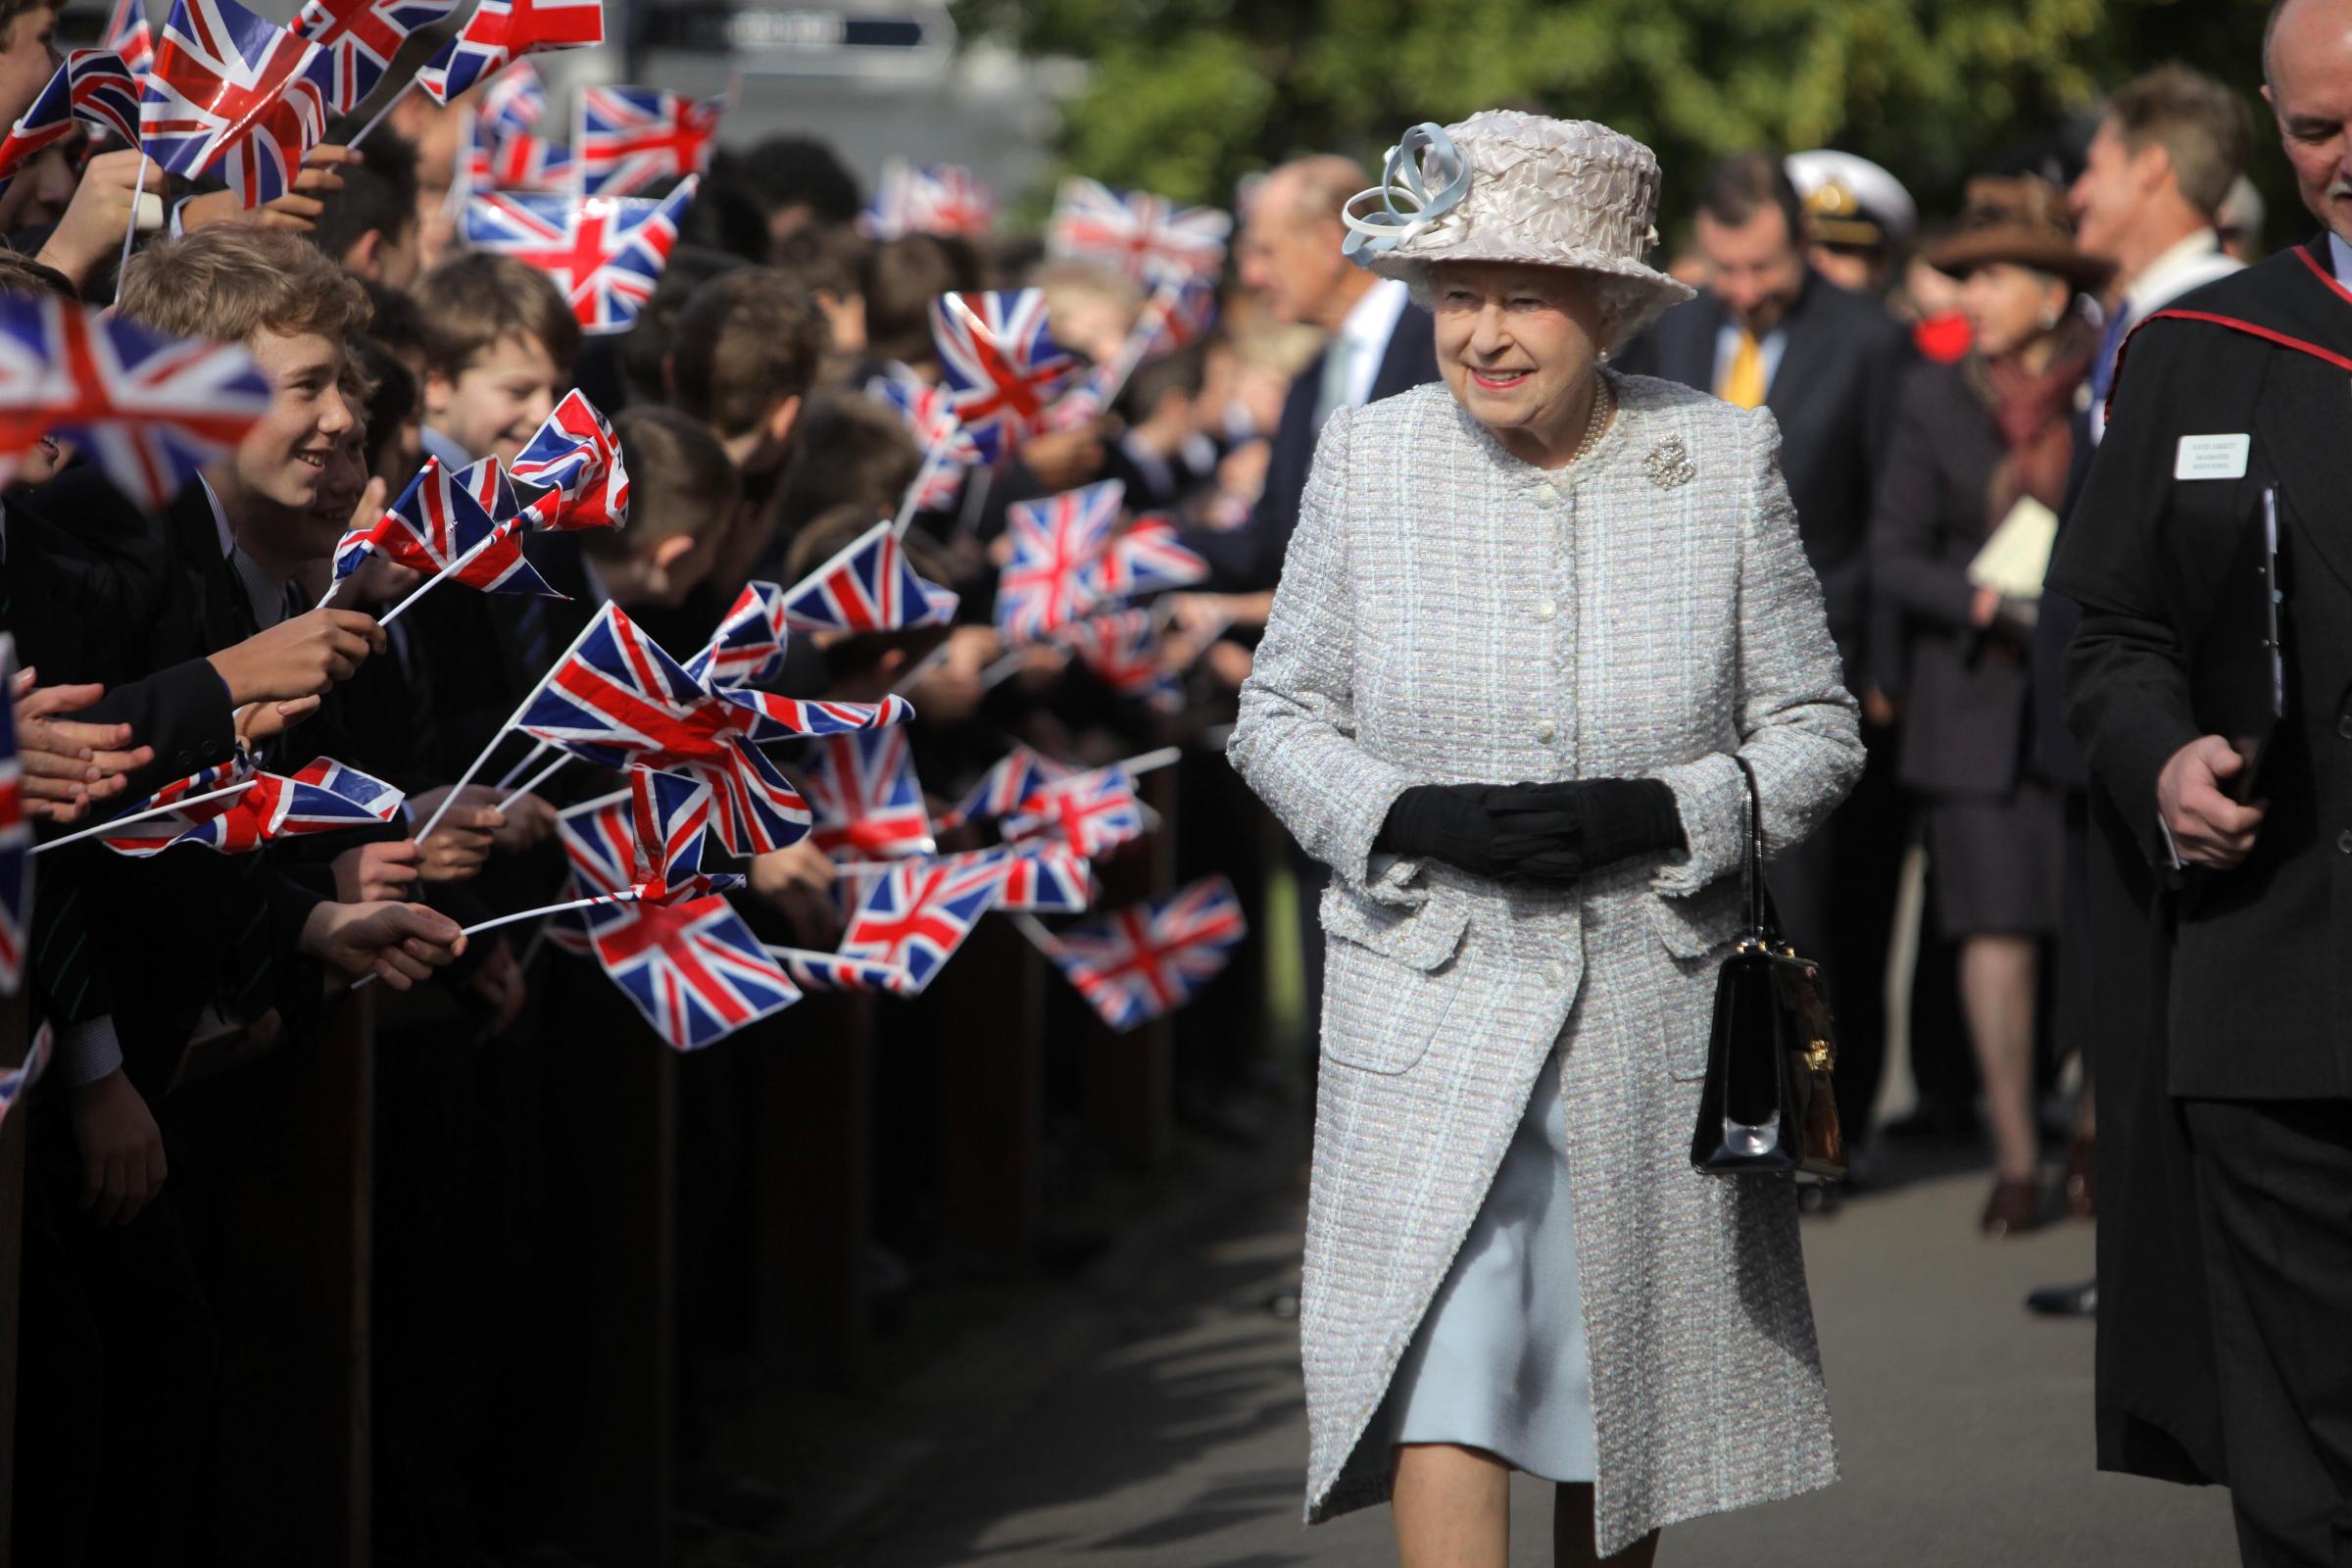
x: 1533, y: 832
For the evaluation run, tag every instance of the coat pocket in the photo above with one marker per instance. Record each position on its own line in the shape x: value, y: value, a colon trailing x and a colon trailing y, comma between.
x: 1702, y: 923
x: 1696, y: 932
x: 1388, y: 981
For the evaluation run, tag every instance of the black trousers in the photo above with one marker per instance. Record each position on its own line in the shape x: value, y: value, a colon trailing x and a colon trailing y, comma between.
x: 2274, y: 1214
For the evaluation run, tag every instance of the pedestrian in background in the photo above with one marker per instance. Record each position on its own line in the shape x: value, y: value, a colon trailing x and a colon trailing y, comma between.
x: 1983, y: 446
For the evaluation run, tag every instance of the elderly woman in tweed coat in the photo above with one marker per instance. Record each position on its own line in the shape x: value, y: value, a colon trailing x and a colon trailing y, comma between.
x: 1527, y: 620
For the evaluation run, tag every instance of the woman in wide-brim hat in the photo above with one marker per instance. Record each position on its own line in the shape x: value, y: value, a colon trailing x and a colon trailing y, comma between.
x: 1527, y: 620
x: 1973, y: 441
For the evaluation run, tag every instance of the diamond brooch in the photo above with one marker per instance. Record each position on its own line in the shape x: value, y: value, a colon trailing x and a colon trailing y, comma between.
x: 1669, y: 463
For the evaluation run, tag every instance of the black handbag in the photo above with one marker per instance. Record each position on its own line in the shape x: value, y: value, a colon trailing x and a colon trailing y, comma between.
x: 1766, y: 1105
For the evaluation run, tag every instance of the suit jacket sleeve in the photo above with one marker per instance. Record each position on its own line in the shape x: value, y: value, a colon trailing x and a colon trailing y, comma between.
x: 1294, y: 740
x: 2125, y: 676
x: 1907, y: 558
x: 182, y: 712
x: 1796, y: 723
x: 1267, y: 537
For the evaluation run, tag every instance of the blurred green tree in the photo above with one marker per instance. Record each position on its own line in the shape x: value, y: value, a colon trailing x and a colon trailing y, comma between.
x: 1185, y: 96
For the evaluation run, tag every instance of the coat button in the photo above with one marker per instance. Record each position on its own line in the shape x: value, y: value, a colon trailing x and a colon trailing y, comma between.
x: 1546, y: 729
x: 1548, y: 497
x: 2343, y: 841
x: 1554, y: 975
x: 1547, y: 608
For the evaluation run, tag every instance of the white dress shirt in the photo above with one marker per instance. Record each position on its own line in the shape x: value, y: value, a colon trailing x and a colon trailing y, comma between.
x: 2193, y: 263
x: 1360, y: 345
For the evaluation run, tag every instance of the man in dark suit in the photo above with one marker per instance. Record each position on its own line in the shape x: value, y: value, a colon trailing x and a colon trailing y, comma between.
x: 1769, y: 330
x: 1380, y: 344
x: 2227, y: 409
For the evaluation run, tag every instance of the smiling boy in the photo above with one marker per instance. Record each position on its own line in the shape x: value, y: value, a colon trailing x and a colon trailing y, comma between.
x: 499, y: 345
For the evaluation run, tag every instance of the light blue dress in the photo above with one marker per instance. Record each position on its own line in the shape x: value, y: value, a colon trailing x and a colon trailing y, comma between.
x: 1499, y: 1362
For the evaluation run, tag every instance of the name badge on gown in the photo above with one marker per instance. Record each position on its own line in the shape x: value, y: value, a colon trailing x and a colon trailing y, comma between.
x: 2211, y: 456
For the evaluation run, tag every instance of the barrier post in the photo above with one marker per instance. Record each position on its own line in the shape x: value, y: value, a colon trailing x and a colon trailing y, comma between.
x: 993, y: 1094
x: 815, y: 1187
x: 1129, y: 1077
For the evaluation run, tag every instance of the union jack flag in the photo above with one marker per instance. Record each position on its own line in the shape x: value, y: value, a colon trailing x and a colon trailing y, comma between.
x: 1047, y: 878
x: 830, y: 972
x: 1002, y: 368
x: 693, y: 970
x: 92, y: 87
x: 869, y: 586
x: 503, y: 158
x: 941, y: 198
x: 1050, y: 581
x: 1017, y: 776
x: 604, y: 254
x: 618, y: 700
x: 1149, y: 959
x: 669, y: 816
x: 363, y: 36
x: 1123, y: 650
x: 150, y: 410
x: 504, y: 30
x: 319, y: 797
x: 1096, y: 811
x: 576, y: 454
x: 748, y: 649
x: 865, y: 796
x: 441, y: 518
x: 1146, y: 558
x: 1146, y: 237
x: 17, y: 1082
x: 1178, y: 322
x: 930, y: 415
x: 632, y: 138
x: 516, y: 100
x: 227, y: 82
x: 16, y: 835
x: 127, y: 35
x: 917, y: 916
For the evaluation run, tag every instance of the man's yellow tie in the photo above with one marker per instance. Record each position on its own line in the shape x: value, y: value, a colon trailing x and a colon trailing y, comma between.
x: 1743, y: 382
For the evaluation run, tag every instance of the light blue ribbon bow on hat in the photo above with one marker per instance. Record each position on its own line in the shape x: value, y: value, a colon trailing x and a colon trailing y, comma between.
x: 1424, y: 157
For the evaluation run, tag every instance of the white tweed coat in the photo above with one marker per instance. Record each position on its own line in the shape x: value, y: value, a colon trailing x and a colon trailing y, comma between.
x: 1449, y: 614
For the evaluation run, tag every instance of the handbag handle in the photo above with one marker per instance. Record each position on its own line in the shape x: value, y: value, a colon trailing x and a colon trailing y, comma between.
x: 1762, y: 927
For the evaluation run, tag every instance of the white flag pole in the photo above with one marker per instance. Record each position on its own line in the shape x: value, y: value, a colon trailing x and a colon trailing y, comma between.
x: 544, y: 774
x: 520, y: 708
x: 923, y: 667
x: 520, y: 916
x: 1139, y: 339
x: 537, y: 751
x: 504, y: 531
x: 139, y: 193
x: 934, y: 457
x: 1034, y: 929
x: 112, y: 823
x: 382, y: 113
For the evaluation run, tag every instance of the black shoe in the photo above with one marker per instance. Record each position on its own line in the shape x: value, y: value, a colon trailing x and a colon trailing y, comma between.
x: 2065, y: 1300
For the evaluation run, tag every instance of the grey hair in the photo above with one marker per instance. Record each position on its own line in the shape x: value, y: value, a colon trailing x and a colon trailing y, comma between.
x: 1619, y: 297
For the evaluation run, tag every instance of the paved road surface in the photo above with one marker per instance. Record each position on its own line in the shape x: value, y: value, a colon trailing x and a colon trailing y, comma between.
x: 1174, y: 1438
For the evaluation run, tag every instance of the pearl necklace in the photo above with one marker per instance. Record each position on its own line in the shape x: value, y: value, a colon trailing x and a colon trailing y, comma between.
x: 1603, y: 397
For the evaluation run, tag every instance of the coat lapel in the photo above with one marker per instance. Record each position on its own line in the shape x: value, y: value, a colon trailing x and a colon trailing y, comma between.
x: 1809, y: 350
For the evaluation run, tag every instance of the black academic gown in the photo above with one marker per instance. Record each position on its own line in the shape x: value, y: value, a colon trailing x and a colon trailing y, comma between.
x: 2226, y: 987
